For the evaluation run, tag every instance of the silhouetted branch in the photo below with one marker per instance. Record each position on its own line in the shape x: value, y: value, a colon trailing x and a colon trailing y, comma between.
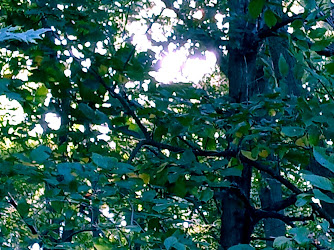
x: 14, y: 204
x: 321, y: 212
x: 91, y: 229
x: 196, y: 152
x: 262, y: 214
x: 135, y: 151
x: 267, y: 32
x: 280, y: 205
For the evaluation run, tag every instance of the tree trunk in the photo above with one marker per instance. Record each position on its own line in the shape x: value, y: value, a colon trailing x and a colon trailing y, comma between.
x: 236, y: 220
x: 269, y: 195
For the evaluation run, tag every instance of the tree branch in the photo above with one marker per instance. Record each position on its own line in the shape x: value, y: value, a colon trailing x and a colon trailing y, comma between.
x: 280, y: 205
x: 197, y: 152
x: 91, y: 229
x: 266, y: 32
x: 135, y: 151
x: 321, y: 212
x: 14, y: 204
x: 262, y: 214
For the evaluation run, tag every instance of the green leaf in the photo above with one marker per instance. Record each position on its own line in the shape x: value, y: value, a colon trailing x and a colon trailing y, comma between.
x: 301, y: 235
x: 233, y: 171
x: 248, y: 155
x: 40, y: 154
x: 303, y: 199
x: 188, y: 157
x: 179, y: 246
x: 104, y: 161
x: 330, y: 68
x: 4, y: 83
x: 293, y: 131
x: 42, y: 91
x: 206, y: 195
x: 86, y: 110
x: 283, y: 66
x: 23, y: 208
x: 317, y: 33
x: 241, y: 247
x: 282, y: 242
x: 255, y: 8
x: 123, y: 168
x: 160, y: 207
x: 323, y: 159
x: 180, y: 187
x: 65, y: 169
x: 321, y: 196
x: 170, y: 242
x: 148, y: 195
x: 270, y: 18
x: 319, y: 181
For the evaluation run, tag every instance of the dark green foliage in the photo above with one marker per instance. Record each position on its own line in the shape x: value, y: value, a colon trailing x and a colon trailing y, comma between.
x: 172, y: 154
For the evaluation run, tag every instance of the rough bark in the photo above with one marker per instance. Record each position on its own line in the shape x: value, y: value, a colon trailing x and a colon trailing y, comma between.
x: 269, y: 195
x: 242, y: 51
x: 272, y: 192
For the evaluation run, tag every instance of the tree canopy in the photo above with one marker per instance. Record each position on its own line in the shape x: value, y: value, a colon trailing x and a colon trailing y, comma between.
x: 242, y: 159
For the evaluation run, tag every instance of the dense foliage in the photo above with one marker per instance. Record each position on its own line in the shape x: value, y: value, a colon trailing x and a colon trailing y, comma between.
x: 243, y: 157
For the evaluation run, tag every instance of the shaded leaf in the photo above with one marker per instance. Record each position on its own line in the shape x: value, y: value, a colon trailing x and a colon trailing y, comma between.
x: 283, y: 66
x: 319, y: 181
x: 255, y: 7
x: 300, y: 235
x: 323, y: 159
x: 241, y: 247
x: 293, y: 131
x: 170, y: 242
x: 40, y: 154
x: 321, y: 196
x: 270, y: 18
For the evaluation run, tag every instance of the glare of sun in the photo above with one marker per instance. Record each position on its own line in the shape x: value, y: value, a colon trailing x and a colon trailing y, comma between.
x: 178, y: 67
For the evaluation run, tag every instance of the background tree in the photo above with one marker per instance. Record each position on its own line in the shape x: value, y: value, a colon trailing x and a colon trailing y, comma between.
x: 245, y: 163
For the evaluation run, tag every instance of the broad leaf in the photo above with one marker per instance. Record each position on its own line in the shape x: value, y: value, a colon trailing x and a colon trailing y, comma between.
x: 170, y: 242
x: 319, y: 181
x: 321, y: 196
x: 323, y: 159
x: 270, y: 18
x: 241, y: 247
x: 255, y: 7
x: 283, y: 66
x: 293, y: 131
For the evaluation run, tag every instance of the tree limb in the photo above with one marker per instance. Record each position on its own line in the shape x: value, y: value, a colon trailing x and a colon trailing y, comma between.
x: 262, y: 214
x: 321, y: 212
x: 11, y: 201
x: 280, y: 205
